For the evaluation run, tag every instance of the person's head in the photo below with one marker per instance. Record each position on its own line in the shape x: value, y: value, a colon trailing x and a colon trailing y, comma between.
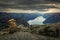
x: 11, y: 21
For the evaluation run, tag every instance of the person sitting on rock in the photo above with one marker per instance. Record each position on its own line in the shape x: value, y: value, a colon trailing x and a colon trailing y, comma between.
x: 12, y: 25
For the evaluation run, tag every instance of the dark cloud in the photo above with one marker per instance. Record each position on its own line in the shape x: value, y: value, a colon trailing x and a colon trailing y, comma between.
x: 20, y: 1
x: 27, y: 1
x: 26, y: 4
x: 39, y: 7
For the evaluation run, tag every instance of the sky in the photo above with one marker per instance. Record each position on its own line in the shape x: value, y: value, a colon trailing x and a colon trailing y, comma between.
x: 28, y: 1
x: 37, y: 8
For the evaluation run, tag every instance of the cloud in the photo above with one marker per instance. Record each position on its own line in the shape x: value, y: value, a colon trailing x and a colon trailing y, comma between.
x: 27, y: 1
x: 22, y: 11
x: 39, y: 21
x: 37, y: 8
x: 22, y: 1
x: 50, y: 10
x: 54, y: 10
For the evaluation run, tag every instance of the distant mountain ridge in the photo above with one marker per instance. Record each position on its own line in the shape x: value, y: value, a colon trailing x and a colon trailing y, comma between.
x: 55, y: 17
x: 23, y: 18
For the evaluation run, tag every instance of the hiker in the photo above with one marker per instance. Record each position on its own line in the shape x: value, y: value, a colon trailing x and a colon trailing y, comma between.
x: 12, y: 25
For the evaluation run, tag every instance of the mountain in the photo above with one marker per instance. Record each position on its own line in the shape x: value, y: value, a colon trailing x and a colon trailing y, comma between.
x: 55, y: 17
x: 21, y: 18
x: 47, y: 15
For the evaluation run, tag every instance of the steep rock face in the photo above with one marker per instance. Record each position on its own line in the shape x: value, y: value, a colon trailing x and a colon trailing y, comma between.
x: 53, y: 18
